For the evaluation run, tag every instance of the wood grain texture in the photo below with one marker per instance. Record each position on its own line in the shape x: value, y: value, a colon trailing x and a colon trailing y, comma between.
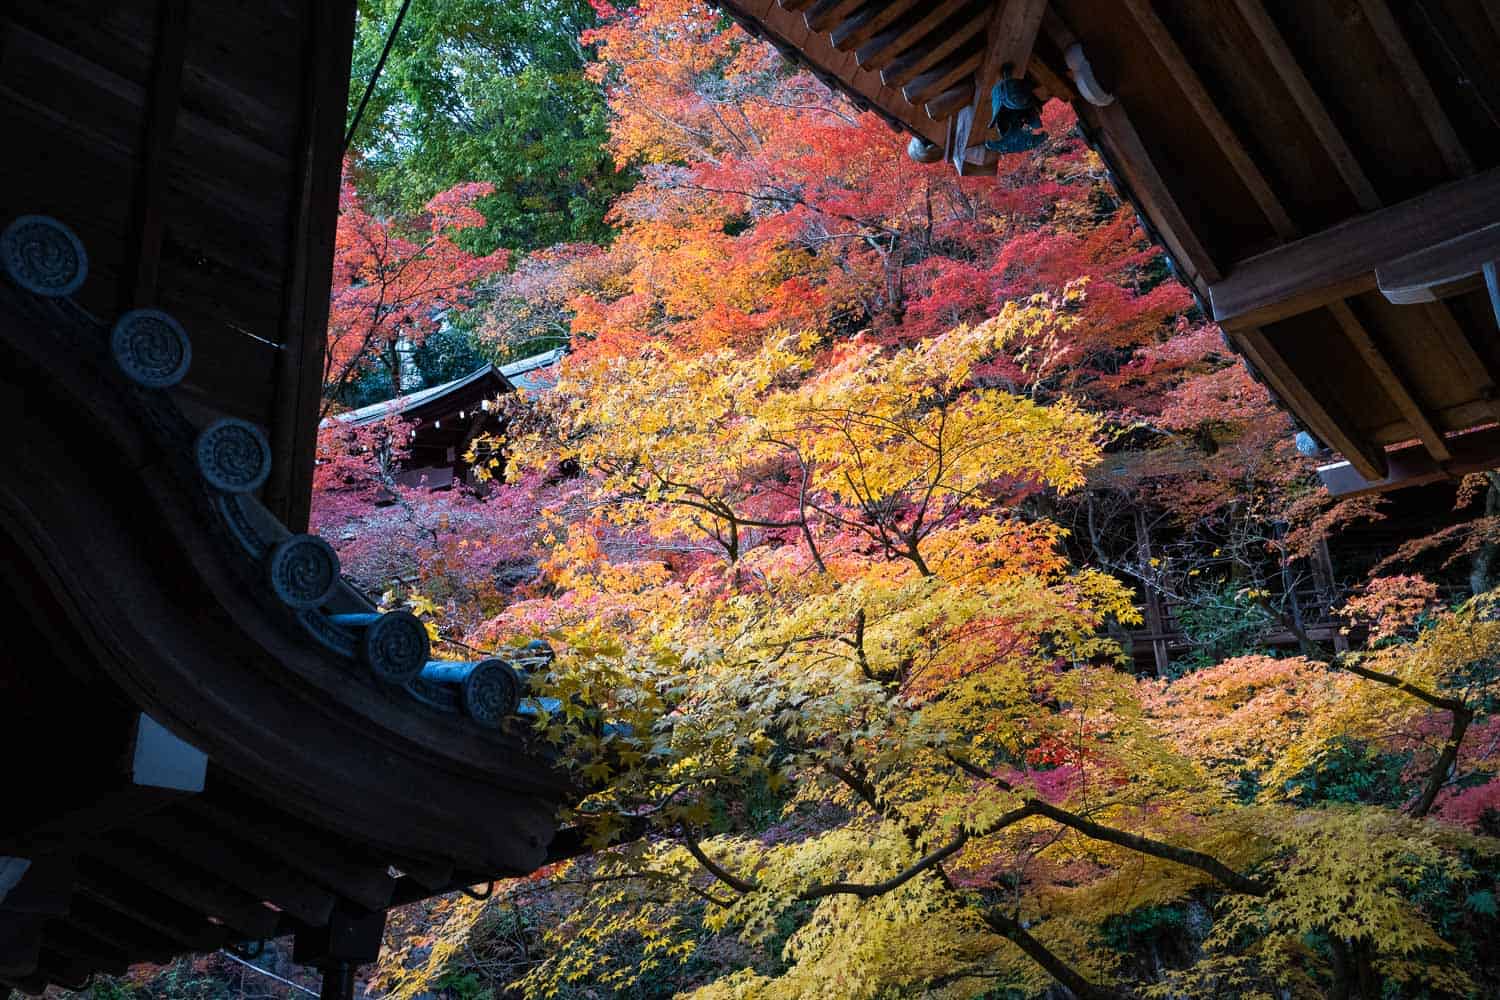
x: 1409, y: 70
x: 1391, y: 382
x: 1206, y: 108
x: 1308, y: 102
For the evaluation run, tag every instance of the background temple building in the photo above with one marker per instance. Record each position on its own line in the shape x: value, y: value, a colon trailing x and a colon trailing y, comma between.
x: 446, y: 418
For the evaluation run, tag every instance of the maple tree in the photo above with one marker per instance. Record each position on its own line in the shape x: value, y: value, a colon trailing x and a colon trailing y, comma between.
x: 394, y: 279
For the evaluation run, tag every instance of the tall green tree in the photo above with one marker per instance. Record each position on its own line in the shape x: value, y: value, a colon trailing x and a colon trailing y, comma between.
x: 475, y: 90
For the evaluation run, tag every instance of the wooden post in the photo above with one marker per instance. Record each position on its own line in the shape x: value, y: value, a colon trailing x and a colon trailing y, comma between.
x: 351, y: 938
x: 1492, y: 282
x: 1328, y: 594
x: 338, y: 982
x: 1155, y: 618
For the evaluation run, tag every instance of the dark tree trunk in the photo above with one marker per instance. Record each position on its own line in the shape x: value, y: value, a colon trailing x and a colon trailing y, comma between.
x: 1482, y: 574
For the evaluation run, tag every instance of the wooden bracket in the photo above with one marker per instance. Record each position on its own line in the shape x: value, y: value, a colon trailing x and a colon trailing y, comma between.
x: 1424, y: 276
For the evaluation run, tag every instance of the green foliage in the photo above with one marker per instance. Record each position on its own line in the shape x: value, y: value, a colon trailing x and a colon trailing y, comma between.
x: 111, y: 989
x: 490, y: 92
x: 1222, y: 622
x: 1130, y: 931
x: 1352, y: 771
x: 446, y: 354
x: 449, y: 353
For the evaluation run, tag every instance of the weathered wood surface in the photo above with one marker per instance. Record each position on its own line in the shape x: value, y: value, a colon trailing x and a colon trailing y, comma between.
x: 174, y: 137
x: 194, y: 148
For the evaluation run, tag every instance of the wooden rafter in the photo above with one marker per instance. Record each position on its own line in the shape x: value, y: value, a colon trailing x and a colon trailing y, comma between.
x: 1393, y: 39
x: 941, y: 78
x: 200, y: 891
x: 248, y: 871
x: 824, y: 14
x: 1207, y: 110
x: 304, y: 323
x: 1367, y: 458
x: 880, y: 50
x: 1413, y: 466
x: 1148, y: 187
x: 857, y: 30
x: 945, y: 104
x: 1451, y: 335
x: 919, y: 60
x: 302, y: 851
x: 1393, y: 385
x: 1314, y: 111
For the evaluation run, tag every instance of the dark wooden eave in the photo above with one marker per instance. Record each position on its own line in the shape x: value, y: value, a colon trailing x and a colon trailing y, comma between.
x: 1323, y: 175
x: 140, y: 602
x: 194, y: 147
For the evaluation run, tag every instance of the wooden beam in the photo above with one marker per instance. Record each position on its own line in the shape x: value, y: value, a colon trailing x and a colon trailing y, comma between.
x: 141, y: 943
x: 905, y: 69
x: 138, y: 283
x: 1451, y: 335
x: 1342, y: 261
x: 927, y: 86
x: 1474, y: 71
x: 183, y: 837
x: 150, y: 910
x: 1477, y: 451
x: 161, y: 769
x: 943, y: 105
x: 1011, y: 36
x: 1207, y: 110
x: 1366, y: 457
x: 328, y: 864
x: 1395, y: 388
x: 826, y: 14
x: 198, y: 891
x: 1132, y: 161
x: 857, y: 30
x: 886, y: 46
x: 1314, y: 111
x: 1423, y: 276
x: 328, y: 50
x: 1392, y: 38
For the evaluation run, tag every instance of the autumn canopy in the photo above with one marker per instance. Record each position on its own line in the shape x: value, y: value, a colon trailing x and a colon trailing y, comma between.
x: 832, y: 516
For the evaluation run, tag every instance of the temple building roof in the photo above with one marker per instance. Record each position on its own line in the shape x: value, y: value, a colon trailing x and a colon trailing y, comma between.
x: 485, y: 382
